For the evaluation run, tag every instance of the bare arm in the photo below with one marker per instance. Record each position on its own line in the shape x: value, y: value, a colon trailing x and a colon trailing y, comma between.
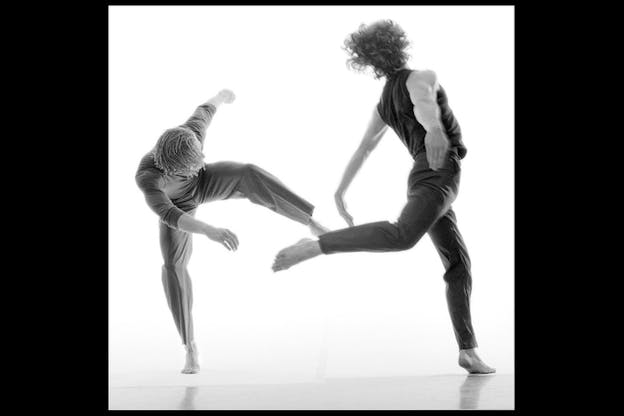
x: 374, y: 132
x: 422, y: 87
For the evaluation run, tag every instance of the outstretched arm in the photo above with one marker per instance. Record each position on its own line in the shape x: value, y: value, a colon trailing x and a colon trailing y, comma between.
x: 202, y: 116
x: 422, y: 87
x: 374, y: 132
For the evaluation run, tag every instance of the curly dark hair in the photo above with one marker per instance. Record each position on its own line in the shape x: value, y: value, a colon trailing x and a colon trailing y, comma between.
x: 380, y: 45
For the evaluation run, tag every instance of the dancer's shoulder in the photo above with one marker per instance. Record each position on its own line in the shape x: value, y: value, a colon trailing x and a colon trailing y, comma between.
x: 423, y: 77
x: 147, y: 173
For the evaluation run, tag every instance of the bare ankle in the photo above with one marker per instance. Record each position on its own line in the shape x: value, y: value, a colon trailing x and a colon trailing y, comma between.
x: 314, y: 247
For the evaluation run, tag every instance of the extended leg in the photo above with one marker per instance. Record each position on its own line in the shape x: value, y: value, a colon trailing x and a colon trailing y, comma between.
x: 176, y: 247
x: 224, y: 180
x: 450, y: 246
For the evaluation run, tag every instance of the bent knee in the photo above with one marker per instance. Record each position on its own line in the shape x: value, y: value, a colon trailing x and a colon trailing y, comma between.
x: 407, y: 239
x: 403, y: 244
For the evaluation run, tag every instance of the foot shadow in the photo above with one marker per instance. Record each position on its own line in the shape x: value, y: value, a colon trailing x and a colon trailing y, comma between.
x: 470, y: 390
x: 188, y: 401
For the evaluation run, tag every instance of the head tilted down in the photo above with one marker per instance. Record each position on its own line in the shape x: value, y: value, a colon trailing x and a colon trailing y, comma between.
x: 178, y: 152
x: 380, y: 45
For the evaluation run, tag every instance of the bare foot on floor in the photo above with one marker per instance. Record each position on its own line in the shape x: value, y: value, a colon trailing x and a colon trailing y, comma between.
x: 317, y: 229
x: 192, y: 361
x: 470, y: 361
x: 303, y: 250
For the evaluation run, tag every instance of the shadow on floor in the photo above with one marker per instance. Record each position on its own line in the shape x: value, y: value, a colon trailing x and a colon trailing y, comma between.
x: 423, y: 392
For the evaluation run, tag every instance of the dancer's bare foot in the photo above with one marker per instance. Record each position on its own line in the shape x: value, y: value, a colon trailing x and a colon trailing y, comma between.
x: 192, y: 360
x: 470, y: 361
x: 317, y: 229
x: 303, y: 250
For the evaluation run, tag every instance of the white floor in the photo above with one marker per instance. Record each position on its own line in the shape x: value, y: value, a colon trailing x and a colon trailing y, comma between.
x: 212, y: 390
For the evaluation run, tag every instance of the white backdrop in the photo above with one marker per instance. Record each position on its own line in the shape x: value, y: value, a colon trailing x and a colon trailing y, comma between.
x: 300, y: 114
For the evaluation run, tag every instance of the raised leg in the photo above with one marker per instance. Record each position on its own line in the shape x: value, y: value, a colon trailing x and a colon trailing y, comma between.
x: 422, y: 210
x: 224, y: 180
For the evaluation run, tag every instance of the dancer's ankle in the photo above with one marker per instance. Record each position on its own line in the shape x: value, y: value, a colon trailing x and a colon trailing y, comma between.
x: 469, y: 351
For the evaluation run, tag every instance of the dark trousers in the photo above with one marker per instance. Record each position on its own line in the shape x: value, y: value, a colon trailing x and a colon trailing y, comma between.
x: 428, y: 210
x: 218, y: 181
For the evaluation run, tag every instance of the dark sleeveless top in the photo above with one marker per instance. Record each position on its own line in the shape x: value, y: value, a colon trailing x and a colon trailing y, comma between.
x: 397, y: 111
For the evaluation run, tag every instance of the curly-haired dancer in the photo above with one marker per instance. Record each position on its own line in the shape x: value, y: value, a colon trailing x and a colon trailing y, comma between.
x: 175, y: 181
x: 415, y: 106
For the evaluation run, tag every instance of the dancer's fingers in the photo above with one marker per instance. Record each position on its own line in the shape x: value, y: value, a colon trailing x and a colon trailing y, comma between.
x: 232, y: 240
x: 233, y: 245
x: 234, y: 237
x: 228, y: 242
x: 350, y: 220
x: 436, y: 158
x: 441, y: 155
x: 429, y: 154
x: 347, y: 217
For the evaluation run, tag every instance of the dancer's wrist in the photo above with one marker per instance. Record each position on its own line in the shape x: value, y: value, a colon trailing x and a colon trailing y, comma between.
x: 216, y: 101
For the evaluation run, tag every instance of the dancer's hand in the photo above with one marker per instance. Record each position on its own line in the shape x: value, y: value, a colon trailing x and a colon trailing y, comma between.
x: 436, y: 146
x: 227, y: 96
x: 223, y: 236
x: 342, y: 208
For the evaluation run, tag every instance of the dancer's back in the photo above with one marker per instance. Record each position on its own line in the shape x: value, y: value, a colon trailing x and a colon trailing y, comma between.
x: 397, y: 111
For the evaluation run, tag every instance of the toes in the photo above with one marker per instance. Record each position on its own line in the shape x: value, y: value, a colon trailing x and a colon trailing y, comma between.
x: 278, y: 266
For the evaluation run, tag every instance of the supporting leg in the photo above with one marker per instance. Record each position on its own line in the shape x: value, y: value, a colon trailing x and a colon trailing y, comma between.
x: 176, y: 247
x: 450, y: 246
x: 454, y: 254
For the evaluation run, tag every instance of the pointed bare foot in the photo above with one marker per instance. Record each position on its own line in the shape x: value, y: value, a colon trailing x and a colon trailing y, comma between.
x: 192, y: 360
x: 470, y: 361
x: 317, y: 229
x: 303, y: 250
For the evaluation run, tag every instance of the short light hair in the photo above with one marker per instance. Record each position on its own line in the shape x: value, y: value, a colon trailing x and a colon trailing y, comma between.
x: 178, y: 152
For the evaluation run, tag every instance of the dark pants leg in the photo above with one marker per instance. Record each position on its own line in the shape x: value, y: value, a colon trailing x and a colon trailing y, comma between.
x: 176, y: 247
x: 224, y: 180
x: 430, y: 195
x: 454, y: 254
x: 421, y: 212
